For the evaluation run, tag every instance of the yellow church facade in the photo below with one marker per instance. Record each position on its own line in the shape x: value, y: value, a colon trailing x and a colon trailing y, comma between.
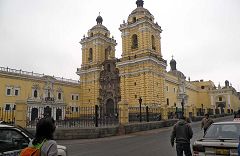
x: 108, y: 81
x: 41, y: 94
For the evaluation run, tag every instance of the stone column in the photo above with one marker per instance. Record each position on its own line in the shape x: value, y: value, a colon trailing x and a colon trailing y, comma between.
x: 164, y: 113
x: 21, y: 113
x: 123, y: 117
x: 124, y: 112
x: 194, y: 110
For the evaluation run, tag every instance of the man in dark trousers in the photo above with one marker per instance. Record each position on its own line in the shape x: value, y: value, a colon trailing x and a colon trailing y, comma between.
x: 181, y: 134
x: 206, y: 122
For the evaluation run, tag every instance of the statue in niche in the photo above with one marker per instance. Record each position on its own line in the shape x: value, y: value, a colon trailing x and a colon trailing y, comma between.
x: 182, y: 87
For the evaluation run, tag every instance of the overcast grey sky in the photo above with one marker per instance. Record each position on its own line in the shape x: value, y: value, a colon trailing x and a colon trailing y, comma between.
x: 43, y: 35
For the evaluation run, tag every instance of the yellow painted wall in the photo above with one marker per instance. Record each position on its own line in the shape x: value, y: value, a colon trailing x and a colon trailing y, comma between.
x: 140, y: 80
x: 25, y: 85
x: 90, y: 89
x: 204, y: 88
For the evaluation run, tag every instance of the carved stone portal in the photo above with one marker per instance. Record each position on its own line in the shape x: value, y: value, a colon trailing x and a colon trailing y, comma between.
x: 109, y: 92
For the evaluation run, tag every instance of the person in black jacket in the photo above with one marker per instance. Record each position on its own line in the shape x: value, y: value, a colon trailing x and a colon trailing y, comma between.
x: 181, y: 134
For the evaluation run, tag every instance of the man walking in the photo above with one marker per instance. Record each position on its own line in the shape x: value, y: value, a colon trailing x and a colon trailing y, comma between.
x: 206, y: 122
x: 181, y: 134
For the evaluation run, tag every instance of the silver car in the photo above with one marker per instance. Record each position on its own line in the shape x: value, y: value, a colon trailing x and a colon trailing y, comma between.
x: 221, y: 138
x: 15, y: 138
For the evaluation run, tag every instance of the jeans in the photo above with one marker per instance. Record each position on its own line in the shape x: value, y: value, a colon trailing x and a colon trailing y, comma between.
x: 183, y: 147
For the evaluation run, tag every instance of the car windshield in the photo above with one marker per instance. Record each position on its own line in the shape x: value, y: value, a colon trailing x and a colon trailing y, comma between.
x: 25, y: 131
x: 225, y: 130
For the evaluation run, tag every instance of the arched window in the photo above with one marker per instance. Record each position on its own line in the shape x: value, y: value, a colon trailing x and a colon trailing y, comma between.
x: 134, y: 19
x: 91, y: 35
x: 35, y: 93
x: 90, y: 55
x: 153, y: 43
x: 59, y: 96
x: 167, y: 101
x: 134, y: 41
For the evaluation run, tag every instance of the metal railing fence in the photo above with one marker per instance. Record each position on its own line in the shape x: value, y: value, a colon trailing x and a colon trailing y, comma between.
x: 92, y: 116
x: 147, y: 114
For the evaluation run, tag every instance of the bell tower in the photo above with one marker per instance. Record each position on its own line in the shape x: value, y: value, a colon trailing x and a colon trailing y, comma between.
x: 142, y: 68
x: 140, y: 35
x: 97, y: 47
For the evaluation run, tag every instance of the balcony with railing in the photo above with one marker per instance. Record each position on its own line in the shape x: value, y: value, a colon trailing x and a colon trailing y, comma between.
x: 36, y: 75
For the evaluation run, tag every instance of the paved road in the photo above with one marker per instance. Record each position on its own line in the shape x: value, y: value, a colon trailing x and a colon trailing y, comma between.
x: 147, y: 143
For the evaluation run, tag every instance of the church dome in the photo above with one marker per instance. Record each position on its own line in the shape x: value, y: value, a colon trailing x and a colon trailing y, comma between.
x: 99, y: 19
x: 139, y: 13
x: 178, y: 74
x: 99, y: 28
x: 173, y: 64
x: 99, y: 25
x: 139, y: 3
x: 226, y: 83
x: 174, y: 70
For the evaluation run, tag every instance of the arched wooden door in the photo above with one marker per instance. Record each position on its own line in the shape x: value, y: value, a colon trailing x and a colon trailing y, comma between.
x: 110, y: 107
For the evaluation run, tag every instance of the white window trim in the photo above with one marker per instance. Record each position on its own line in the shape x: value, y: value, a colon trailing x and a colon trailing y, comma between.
x: 61, y: 96
x: 75, y: 97
x: 74, y: 107
x: 11, y: 106
x: 33, y: 93
x: 11, y: 91
x: 18, y: 91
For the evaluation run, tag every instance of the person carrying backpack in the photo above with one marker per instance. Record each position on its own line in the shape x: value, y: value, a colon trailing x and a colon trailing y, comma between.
x: 43, y: 143
x: 181, y: 134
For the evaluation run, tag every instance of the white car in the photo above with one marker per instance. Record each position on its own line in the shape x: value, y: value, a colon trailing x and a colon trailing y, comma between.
x: 221, y: 138
x: 15, y: 138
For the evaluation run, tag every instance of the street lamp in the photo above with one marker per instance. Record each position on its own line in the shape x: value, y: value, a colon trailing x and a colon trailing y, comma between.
x: 182, y: 103
x: 140, y: 104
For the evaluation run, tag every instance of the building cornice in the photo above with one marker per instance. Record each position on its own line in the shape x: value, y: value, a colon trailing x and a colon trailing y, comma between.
x: 176, y: 82
x: 142, y: 59
x: 136, y: 73
x: 90, y: 39
x: 131, y: 25
x: 8, y: 72
x: 80, y: 71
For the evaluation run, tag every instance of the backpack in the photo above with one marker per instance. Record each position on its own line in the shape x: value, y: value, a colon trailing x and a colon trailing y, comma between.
x: 34, y: 150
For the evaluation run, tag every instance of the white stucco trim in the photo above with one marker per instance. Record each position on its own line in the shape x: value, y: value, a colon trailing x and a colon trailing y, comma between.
x: 138, y: 60
x: 81, y: 72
